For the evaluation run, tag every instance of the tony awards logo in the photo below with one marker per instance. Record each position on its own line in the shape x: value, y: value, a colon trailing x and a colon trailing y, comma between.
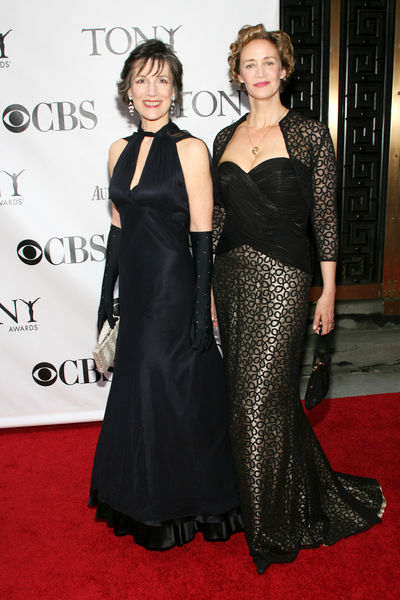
x: 120, y: 40
x: 20, y: 316
x: 4, y: 64
x: 14, y: 199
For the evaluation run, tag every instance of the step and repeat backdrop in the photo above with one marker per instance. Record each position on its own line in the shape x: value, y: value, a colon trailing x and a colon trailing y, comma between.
x: 59, y: 64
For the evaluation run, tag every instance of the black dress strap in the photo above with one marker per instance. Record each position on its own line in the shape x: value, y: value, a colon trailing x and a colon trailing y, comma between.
x: 179, y: 135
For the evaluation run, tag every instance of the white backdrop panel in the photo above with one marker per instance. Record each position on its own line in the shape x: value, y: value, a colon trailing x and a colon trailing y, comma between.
x: 60, y: 112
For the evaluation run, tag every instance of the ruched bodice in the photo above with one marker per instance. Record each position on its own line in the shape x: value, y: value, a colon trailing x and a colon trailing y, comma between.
x: 312, y: 158
x: 265, y: 209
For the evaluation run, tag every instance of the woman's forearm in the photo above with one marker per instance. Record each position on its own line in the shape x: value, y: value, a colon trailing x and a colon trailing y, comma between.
x: 328, y: 270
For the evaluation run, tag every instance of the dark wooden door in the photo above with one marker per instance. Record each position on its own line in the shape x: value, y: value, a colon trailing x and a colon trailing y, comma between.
x: 347, y: 75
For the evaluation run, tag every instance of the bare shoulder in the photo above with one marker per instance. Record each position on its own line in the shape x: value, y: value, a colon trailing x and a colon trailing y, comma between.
x: 192, y: 150
x: 114, y: 152
x: 117, y: 147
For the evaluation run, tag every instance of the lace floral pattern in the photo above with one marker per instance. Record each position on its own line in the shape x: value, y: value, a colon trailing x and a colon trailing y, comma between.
x: 289, y: 495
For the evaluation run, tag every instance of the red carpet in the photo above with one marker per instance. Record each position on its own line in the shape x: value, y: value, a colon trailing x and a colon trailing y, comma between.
x: 53, y: 549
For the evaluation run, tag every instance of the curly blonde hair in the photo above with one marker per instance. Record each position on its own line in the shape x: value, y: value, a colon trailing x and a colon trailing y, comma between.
x: 280, y: 39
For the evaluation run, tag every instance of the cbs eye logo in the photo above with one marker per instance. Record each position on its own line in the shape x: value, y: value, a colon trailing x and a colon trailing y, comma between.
x: 70, y: 372
x: 16, y: 118
x: 44, y: 373
x: 71, y: 249
x: 29, y: 252
x: 51, y: 116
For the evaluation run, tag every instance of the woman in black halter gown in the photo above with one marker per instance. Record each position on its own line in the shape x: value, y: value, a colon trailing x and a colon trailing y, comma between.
x: 163, y: 468
x: 275, y: 170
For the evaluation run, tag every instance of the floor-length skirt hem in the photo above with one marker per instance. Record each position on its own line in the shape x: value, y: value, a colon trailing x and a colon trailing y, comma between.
x: 166, y: 535
x: 329, y: 534
x: 282, y: 556
x: 290, y: 497
x: 269, y: 557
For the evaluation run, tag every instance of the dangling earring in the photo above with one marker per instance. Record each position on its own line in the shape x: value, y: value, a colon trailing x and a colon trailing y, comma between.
x: 131, y: 107
x: 172, y: 107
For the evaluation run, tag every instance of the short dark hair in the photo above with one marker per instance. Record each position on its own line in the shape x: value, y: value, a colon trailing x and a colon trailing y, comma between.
x: 157, y: 52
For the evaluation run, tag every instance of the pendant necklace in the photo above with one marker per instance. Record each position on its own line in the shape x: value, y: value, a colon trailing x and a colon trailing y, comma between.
x: 256, y: 149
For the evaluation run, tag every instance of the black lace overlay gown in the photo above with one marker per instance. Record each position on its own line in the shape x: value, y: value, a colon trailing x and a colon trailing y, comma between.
x: 290, y: 497
x: 163, y: 467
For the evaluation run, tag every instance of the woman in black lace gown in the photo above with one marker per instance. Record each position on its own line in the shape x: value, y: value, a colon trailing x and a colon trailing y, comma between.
x: 163, y: 467
x: 275, y: 171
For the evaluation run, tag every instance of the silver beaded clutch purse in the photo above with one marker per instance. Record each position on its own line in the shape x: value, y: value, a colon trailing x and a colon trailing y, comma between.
x: 104, y: 350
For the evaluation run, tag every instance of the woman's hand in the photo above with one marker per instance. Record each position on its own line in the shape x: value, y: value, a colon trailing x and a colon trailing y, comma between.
x: 325, y: 309
x: 325, y: 313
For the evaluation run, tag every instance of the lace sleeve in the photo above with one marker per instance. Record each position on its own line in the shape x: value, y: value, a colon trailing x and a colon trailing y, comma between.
x: 219, y: 210
x: 324, y: 215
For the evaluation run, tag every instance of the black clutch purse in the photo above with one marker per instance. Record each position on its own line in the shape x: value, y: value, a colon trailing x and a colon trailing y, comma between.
x: 318, y: 384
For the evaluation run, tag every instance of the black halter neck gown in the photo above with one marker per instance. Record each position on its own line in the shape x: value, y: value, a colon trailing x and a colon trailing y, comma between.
x: 163, y: 468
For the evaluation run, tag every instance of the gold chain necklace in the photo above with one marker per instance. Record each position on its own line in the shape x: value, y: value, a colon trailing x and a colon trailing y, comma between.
x: 256, y: 149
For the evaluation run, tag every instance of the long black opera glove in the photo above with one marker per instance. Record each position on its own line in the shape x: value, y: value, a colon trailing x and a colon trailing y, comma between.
x: 109, y: 278
x: 201, y: 329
